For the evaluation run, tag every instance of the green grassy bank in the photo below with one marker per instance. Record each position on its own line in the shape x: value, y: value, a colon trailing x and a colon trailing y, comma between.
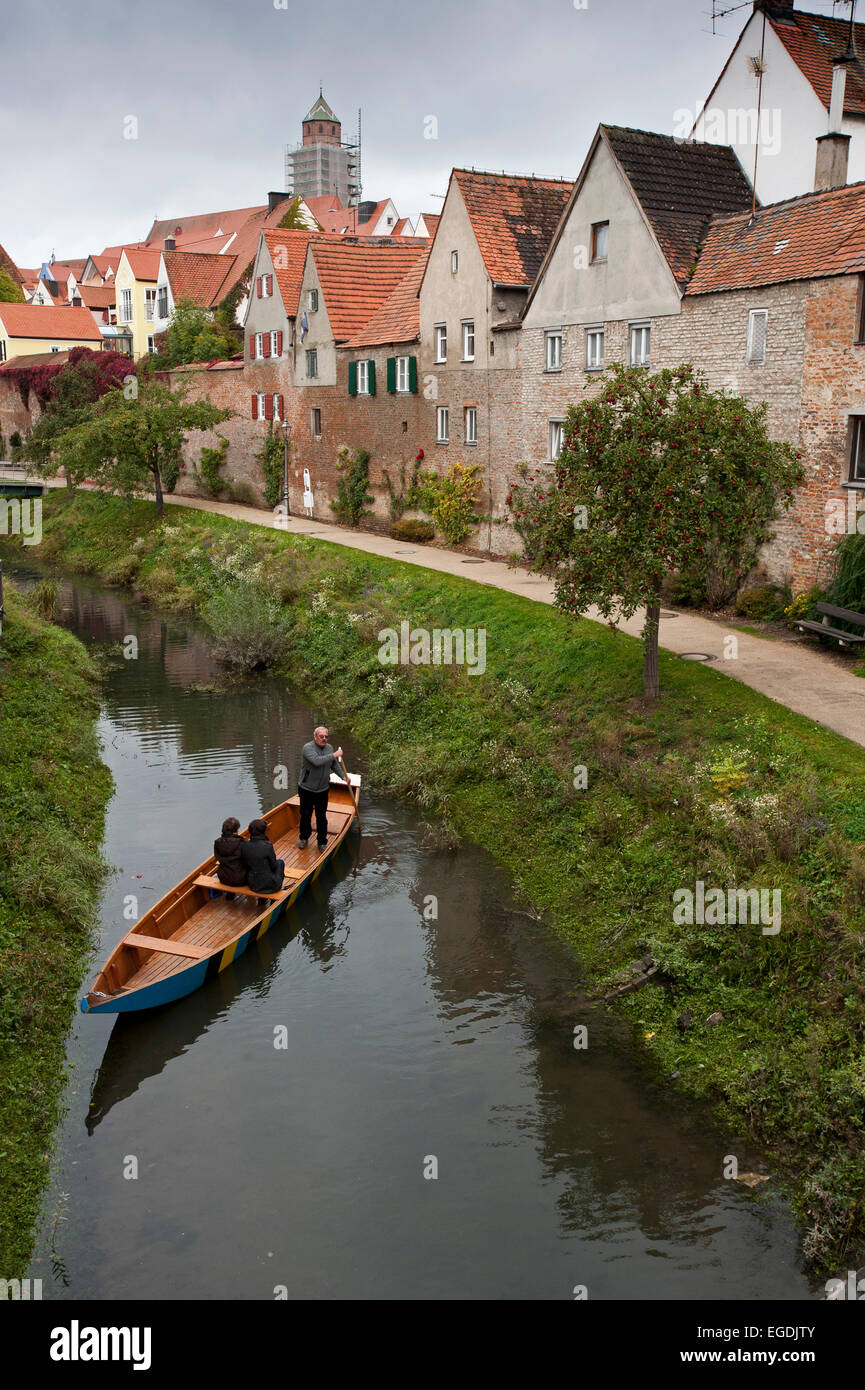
x: 713, y: 782
x: 53, y: 794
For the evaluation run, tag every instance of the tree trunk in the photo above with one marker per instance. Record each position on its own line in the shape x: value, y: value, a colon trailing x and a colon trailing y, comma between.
x: 68, y: 476
x: 160, y: 505
x: 650, y: 650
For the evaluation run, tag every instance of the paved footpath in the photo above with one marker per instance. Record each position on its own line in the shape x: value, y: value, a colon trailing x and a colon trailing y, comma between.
x: 794, y: 673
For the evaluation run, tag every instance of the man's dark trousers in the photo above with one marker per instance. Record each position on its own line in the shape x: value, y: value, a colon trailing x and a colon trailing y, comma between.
x: 309, y: 802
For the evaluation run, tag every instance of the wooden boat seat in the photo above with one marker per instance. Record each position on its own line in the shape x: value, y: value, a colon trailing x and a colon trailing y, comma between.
x: 171, y: 948
x: 205, y: 881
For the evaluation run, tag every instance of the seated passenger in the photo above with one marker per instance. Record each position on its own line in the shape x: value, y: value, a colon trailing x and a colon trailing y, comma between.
x: 230, y: 868
x: 264, y: 871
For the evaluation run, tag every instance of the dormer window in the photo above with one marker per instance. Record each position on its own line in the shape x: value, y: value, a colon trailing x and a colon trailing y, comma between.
x: 455, y: 262
x: 600, y: 240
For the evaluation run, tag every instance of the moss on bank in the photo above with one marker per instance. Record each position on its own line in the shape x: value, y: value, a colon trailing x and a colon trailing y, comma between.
x: 713, y: 782
x: 53, y: 793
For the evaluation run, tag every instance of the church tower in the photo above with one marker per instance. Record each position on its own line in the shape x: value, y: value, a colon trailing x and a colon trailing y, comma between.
x: 321, y: 165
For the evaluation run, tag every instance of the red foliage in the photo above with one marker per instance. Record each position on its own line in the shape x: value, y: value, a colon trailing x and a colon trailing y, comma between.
x: 113, y: 367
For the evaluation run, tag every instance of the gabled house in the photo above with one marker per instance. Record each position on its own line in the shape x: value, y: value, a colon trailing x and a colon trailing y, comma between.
x: 810, y: 83
x: 135, y: 286
x: 613, y: 278
x: 195, y: 276
x: 29, y: 329
x: 491, y: 239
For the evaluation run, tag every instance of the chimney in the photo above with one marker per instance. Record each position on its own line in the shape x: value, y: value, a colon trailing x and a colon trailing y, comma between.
x: 775, y: 9
x: 833, y: 149
x: 170, y: 244
x: 274, y: 200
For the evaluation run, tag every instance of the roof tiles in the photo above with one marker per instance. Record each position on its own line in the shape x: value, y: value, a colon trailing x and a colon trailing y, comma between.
x: 813, y: 40
x: 357, y: 279
x: 198, y: 276
x: 42, y: 321
x: 514, y: 219
x: 398, y: 318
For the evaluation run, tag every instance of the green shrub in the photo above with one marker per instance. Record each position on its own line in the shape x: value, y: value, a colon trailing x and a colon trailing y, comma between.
x: 45, y: 599
x: 408, y: 494
x: 207, y: 475
x: 764, y: 601
x: 251, y: 629
x: 245, y: 494
x: 412, y: 530
x: 271, y: 456
x: 353, y: 497
x: 804, y: 605
x: 684, y: 589
x: 847, y: 589
x: 451, y: 499
x: 121, y: 572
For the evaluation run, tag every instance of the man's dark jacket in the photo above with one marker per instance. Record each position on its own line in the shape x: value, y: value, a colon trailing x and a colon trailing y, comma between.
x: 228, y: 850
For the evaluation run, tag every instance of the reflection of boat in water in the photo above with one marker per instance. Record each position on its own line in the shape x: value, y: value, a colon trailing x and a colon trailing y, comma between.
x: 196, y: 930
x: 142, y: 1044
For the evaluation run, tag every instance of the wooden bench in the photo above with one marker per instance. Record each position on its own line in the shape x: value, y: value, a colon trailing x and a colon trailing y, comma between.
x: 217, y: 886
x: 171, y: 948
x: 824, y: 629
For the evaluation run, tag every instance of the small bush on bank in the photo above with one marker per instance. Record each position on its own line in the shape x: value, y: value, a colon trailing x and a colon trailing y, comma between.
x: 761, y: 601
x: 413, y: 530
x: 683, y: 589
x: 45, y: 599
x: 252, y: 630
x: 847, y: 589
x: 121, y: 572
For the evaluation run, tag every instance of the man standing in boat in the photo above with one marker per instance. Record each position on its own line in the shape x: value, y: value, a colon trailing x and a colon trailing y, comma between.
x: 318, y: 761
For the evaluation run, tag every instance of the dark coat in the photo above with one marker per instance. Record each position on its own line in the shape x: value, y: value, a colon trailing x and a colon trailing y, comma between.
x: 259, y: 860
x: 230, y: 868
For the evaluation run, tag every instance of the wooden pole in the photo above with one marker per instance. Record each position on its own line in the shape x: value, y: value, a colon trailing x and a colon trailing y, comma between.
x: 350, y: 791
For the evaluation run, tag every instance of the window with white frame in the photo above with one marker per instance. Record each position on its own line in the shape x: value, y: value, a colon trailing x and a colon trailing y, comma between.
x: 313, y: 301
x: 55, y: 347
x: 757, y: 336
x: 471, y: 429
x: 553, y: 350
x: 259, y: 344
x: 274, y: 342
x: 266, y: 286
x: 442, y: 424
x: 600, y: 240
x: 402, y: 375
x: 455, y: 262
x: 151, y: 343
x: 311, y: 362
x: 276, y: 400
x: 149, y: 304
x: 640, y: 344
x: 262, y: 408
x: 2, y: 349
x: 162, y: 302
x: 363, y: 378
x: 441, y: 342
x: 594, y: 349
x: 857, y: 455
x: 557, y: 438
x: 468, y: 340
x: 125, y: 306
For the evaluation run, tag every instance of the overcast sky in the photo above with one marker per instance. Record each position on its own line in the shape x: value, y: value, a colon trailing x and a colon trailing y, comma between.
x: 219, y: 87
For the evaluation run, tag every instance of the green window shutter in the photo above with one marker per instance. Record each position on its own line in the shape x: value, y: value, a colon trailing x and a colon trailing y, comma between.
x: 352, y: 378
x: 412, y: 374
x: 391, y: 375
x: 370, y: 377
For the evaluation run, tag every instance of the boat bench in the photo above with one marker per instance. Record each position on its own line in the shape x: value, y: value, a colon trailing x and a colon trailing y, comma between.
x: 217, y: 886
x: 824, y: 629
x: 171, y: 948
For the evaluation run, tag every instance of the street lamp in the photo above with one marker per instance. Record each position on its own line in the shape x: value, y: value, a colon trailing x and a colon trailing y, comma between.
x: 286, y: 435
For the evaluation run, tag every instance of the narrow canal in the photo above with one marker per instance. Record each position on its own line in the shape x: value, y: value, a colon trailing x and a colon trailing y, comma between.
x: 409, y: 1038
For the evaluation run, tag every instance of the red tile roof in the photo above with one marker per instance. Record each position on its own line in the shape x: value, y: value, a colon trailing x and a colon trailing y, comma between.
x: 398, y: 318
x: 201, y: 226
x: 514, y: 219
x: 431, y: 221
x: 357, y: 279
x: 40, y: 321
x: 197, y: 276
x: 680, y: 184
x: 287, y: 248
x: 98, y: 296
x: 106, y: 263
x: 804, y: 238
x: 813, y: 40
x: 144, y: 264
x: 7, y: 264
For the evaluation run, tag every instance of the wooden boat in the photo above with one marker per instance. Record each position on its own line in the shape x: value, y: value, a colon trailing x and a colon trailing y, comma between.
x: 195, y: 931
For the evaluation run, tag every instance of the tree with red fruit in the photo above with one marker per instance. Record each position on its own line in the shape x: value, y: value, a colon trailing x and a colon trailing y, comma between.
x: 657, y: 474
